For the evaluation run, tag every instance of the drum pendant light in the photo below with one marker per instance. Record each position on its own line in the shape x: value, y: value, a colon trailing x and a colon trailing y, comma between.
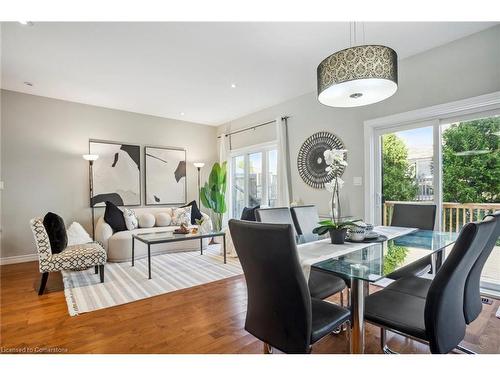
x: 358, y: 76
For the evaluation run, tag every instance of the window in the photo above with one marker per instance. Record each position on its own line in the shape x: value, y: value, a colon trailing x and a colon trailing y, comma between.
x: 254, y: 178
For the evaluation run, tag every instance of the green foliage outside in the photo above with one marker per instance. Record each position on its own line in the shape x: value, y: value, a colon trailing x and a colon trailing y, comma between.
x: 399, y: 177
x: 471, y: 164
x: 213, y: 193
x: 472, y: 177
x: 394, y: 258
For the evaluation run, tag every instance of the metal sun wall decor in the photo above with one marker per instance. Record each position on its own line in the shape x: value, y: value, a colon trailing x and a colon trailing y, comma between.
x: 311, y: 162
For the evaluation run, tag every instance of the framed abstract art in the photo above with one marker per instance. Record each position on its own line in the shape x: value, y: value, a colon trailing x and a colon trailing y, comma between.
x: 116, y: 173
x: 165, y: 175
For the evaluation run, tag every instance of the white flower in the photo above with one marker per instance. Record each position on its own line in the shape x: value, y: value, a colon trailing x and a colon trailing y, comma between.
x: 340, y: 182
x: 328, y: 157
x: 330, y: 186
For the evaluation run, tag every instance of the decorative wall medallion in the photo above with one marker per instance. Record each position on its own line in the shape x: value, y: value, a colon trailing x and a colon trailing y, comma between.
x: 310, y: 161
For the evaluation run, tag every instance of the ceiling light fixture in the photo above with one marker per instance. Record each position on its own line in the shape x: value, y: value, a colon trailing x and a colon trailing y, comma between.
x: 233, y: 85
x: 358, y: 75
x: 182, y: 113
x: 26, y: 23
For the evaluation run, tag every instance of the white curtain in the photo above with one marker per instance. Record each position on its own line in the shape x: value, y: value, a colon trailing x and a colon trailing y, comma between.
x: 224, y: 150
x: 284, y: 192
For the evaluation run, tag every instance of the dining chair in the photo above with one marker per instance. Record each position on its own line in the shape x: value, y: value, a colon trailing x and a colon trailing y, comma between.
x: 473, y: 303
x: 321, y: 284
x: 432, y: 311
x: 420, y: 216
x: 305, y: 219
x: 280, y: 309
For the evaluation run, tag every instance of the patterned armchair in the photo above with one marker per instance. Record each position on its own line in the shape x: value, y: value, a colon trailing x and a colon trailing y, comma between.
x: 75, y: 257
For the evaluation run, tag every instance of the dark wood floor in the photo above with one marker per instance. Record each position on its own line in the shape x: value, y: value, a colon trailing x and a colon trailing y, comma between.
x: 203, y: 319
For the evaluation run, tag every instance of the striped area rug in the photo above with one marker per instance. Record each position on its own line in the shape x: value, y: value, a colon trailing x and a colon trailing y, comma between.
x: 124, y: 283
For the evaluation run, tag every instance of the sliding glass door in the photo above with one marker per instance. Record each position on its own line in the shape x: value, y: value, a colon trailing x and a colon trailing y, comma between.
x: 253, y: 178
x: 453, y: 163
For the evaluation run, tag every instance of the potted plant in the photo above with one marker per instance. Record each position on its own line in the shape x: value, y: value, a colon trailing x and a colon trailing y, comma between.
x: 213, y: 193
x: 337, y: 228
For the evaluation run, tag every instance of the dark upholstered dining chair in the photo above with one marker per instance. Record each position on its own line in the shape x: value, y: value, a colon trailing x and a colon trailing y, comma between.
x: 321, y: 284
x: 305, y: 219
x: 433, y: 311
x: 420, y: 216
x: 473, y: 303
x: 280, y: 310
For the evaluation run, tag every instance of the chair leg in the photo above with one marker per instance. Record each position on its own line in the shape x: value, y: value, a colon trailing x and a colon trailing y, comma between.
x: 342, y: 298
x: 465, y: 350
x: 383, y: 344
x: 268, y: 349
x: 43, y: 282
x: 101, y: 272
x: 96, y: 269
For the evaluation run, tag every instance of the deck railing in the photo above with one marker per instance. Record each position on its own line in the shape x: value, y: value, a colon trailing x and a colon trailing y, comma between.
x: 455, y: 215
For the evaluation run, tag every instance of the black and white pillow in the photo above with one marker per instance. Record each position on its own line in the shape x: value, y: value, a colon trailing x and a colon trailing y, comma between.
x: 114, y: 217
x: 131, y: 220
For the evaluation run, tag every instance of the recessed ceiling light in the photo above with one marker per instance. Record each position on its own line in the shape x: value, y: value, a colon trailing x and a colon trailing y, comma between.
x: 182, y: 113
x: 26, y: 23
x: 28, y: 83
x: 233, y: 85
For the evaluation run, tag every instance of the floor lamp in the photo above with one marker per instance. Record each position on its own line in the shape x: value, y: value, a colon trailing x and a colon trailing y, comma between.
x: 199, y: 166
x: 91, y: 158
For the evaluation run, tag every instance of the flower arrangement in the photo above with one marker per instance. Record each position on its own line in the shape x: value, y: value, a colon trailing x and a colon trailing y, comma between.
x: 335, y: 162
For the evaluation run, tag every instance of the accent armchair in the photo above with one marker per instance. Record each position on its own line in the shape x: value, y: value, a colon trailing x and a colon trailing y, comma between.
x: 74, y: 258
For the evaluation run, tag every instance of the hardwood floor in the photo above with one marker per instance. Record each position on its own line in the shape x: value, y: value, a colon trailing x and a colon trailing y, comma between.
x: 203, y: 319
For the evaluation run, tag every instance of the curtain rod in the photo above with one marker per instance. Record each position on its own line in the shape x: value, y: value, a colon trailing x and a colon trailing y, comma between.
x: 253, y: 127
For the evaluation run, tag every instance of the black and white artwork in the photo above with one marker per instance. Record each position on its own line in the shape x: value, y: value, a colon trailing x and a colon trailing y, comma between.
x: 165, y: 175
x: 116, y: 173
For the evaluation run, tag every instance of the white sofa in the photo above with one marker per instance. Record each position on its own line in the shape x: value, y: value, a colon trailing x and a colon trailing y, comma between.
x: 119, y: 245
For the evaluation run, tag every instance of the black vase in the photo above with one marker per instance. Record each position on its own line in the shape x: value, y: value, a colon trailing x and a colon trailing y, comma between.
x: 338, y: 235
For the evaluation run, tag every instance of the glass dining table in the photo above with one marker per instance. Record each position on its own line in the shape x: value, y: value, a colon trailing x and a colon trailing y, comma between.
x: 373, y: 262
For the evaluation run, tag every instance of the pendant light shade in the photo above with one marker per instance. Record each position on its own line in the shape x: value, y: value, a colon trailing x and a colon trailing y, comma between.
x: 358, y: 76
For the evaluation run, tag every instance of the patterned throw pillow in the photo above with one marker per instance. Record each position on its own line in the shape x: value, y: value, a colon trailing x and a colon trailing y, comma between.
x: 181, y: 215
x: 131, y: 220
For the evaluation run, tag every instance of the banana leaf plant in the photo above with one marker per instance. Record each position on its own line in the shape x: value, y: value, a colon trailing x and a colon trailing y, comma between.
x: 213, y: 193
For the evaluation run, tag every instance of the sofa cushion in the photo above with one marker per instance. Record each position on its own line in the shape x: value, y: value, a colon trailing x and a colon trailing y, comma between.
x: 195, y: 211
x: 114, y: 217
x: 163, y: 219
x: 77, y: 234
x: 146, y: 220
x: 131, y: 220
x: 56, y: 230
x: 181, y: 215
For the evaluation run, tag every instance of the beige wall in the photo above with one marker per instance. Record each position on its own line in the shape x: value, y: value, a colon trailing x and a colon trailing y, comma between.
x: 42, y: 167
x: 458, y: 70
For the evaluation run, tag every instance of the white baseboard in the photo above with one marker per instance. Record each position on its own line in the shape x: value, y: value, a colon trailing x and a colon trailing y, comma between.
x: 19, y: 259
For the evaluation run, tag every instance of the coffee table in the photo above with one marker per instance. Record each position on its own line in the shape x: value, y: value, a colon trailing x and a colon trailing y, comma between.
x: 153, y: 238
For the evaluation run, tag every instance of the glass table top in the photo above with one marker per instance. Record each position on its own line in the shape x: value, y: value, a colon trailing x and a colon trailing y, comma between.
x: 377, y: 260
x: 166, y: 236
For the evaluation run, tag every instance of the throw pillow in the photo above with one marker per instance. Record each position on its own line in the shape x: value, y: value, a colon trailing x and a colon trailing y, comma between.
x: 146, y: 221
x: 163, y: 219
x: 114, y: 217
x: 195, y: 211
x: 56, y: 230
x: 77, y: 235
x: 249, y: 213
x: 131, y: 220
x: 181, y: 215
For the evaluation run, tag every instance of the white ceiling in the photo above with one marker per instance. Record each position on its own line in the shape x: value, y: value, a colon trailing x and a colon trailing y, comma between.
x: 166, y: 69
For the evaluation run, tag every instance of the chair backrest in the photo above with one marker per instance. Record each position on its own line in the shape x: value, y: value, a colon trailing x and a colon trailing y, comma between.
x: 279, y: 303
x: 42, y: 242
x: 275, y: 215
x: 444, y: 307
x: 472, y: 298
x: 305, y: 219
x: 421, y: 216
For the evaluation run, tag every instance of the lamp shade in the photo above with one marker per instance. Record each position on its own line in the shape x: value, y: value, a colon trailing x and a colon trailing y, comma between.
x: 358, y: 76
x: 90, y: 157
x: 199, y: 165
